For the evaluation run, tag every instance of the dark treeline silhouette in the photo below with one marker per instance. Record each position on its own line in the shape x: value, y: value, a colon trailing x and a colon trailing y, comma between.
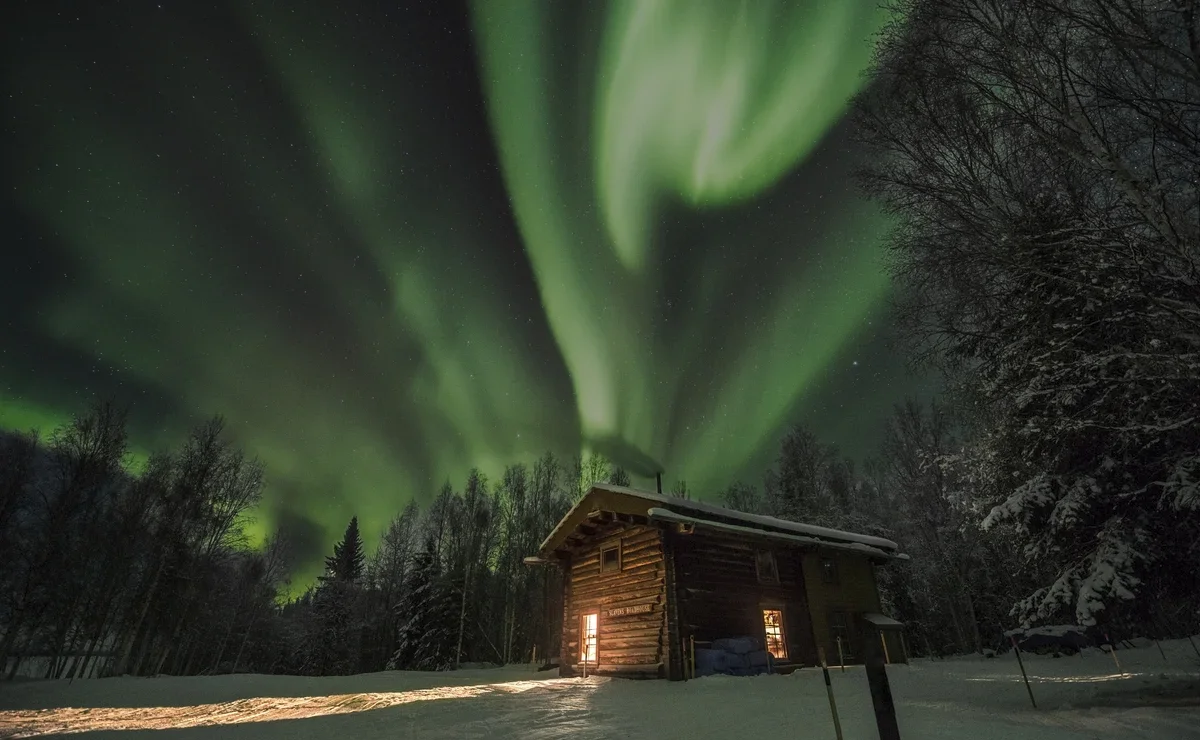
x: 111, y: 572
x: 149, y: 573
x: 108, y: 572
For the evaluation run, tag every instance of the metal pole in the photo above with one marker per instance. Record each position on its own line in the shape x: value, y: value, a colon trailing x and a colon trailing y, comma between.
x: 904, y: 647
x: 841, y: 658
x: 1160, y: 650
x: 1194, y: 646
x: 1021, y: 663
x: 837, y: 723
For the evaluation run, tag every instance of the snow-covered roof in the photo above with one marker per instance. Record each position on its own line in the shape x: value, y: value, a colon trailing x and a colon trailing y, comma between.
x: 707, y: 513
x: 755, y: 520
x: 666, y: 515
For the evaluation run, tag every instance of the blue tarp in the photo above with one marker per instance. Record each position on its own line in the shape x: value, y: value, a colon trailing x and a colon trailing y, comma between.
x: 733, y: 656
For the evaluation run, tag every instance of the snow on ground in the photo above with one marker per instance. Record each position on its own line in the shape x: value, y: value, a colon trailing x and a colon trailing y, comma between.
x: 973, y: 698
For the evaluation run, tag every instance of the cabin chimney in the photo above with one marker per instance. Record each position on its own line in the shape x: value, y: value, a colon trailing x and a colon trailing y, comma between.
x: 658, y: 478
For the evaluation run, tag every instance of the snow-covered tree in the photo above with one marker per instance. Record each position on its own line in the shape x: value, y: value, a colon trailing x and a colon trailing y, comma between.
x: 1039, y: 160
x: 428, y: 617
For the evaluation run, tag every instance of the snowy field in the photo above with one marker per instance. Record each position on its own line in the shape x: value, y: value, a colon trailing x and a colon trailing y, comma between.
x: 971, y: 699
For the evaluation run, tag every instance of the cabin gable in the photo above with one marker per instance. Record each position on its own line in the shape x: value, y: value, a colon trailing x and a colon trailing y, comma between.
x: 614, y: 616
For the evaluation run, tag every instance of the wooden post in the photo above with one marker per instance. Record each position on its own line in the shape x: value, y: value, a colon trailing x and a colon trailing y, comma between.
x: 837, y: 723
x: 904, y: 647
x: 692, y: 654
x: 1112, y: 648
x: 841, y: 657
x: 887, y: 659
x: 1021, y: 663
x: 683, y: 658
x: 534, y: 661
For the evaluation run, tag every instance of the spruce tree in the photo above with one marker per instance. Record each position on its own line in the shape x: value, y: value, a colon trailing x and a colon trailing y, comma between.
x: 346, y: 563
x: 427, y: 615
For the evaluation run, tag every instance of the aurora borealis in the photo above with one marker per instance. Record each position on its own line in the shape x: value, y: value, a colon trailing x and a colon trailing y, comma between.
x: 390, y: 245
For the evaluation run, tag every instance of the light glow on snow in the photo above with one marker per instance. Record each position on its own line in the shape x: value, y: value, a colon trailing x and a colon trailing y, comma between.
x: 1059, y: 679
x: 69, y: 720
x: 1079, y: 698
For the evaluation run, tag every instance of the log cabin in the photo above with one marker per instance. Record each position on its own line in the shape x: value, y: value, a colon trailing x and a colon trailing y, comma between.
x: 646, y: 576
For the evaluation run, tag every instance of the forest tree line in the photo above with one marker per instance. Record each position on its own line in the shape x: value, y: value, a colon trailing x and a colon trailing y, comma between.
x: 115, y: 572
x: 111, y: 571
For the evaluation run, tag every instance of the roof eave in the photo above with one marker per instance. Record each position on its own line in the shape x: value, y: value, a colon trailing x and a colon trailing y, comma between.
x: 796, y: 540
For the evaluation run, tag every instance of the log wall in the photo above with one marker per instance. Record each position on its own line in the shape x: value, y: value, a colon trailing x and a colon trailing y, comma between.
x: 720, y: 594
x: 631, y: 603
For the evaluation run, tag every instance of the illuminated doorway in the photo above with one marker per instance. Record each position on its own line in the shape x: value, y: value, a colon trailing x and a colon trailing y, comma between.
x: 588, y: 636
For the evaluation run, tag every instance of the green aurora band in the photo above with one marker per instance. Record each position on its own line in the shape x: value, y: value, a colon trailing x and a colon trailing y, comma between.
x: 368, y: 340
x: 690, y: 103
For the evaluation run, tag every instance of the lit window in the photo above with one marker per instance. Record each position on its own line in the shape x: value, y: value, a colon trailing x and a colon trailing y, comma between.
x: 610, y: 559
x: 829, y: 570
x: 588, y: 638
x: 767, y: 568
x: 773, y: 626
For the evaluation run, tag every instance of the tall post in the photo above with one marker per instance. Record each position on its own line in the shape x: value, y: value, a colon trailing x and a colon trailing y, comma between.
x: 841, y: 655
x: 881, y: 691
x: 1021, y: 664
x: 837, y: 723
x: 1112, y: 648
x: 692, y: 656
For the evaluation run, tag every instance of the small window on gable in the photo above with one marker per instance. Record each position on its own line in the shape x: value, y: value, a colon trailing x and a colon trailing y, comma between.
x: 610, y: 558
x: 767, y: 568
x: 829, y: 570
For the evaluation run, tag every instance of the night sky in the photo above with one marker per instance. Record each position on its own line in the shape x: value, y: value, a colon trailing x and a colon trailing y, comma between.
x: 390, y: 244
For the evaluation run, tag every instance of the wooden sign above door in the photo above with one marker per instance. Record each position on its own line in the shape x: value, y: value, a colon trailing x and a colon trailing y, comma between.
x: 621, y: 611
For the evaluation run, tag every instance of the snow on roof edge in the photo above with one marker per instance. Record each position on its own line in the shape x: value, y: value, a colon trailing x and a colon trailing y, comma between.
x: 768, y: 521
x: 883, y: 620
x: 672, y: 516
